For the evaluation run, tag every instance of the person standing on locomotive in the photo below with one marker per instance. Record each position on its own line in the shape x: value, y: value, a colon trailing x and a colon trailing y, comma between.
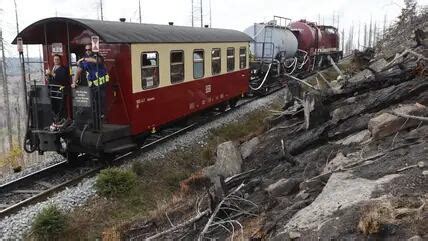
x: 96, y: 76
x: 58, y: 79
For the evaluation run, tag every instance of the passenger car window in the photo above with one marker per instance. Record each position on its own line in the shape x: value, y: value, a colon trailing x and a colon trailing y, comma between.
x: 242, y: 57
x: 215, y: 61
x: 230, y: 59
x: 177, y: 66
x: 149, y: 70
x: 198, y: 64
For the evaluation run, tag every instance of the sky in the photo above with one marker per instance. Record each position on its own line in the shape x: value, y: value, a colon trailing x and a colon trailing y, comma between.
x: 231, y: 14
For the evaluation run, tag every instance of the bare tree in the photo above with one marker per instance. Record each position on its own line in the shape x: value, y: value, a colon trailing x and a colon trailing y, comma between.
x: 365, y: 35
x: 370, y: 33
x: 6, y: 93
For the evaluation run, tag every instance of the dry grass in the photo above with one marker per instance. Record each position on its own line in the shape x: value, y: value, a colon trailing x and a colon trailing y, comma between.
x: 374, y: 217
x: 160, y: 187
x: 406, y: 211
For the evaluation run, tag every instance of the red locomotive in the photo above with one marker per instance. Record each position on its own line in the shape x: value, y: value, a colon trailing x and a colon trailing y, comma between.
x: 158, y: 74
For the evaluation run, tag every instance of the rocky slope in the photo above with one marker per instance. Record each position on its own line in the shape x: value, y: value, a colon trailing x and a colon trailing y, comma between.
x: 349, y: 162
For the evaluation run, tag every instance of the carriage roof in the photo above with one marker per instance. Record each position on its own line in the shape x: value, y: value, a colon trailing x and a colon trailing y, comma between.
x: 126, y: 32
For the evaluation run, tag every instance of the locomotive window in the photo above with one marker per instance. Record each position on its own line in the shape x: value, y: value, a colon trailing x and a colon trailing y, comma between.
x: 177, y: 66
x: 215, y: 61
x: 149, y: 70
x: 242, y: 58
x: 230, y: 59
x: 198, y: 64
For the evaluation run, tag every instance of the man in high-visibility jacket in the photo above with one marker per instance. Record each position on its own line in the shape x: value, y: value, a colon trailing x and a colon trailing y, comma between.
x: 96, y: 75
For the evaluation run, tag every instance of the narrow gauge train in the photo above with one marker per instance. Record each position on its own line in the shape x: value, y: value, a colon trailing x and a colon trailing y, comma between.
x: 162, y: 73
x: 158, y: 74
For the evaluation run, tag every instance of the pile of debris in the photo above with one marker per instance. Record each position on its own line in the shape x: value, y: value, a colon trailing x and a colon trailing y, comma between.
x: 349, y: 161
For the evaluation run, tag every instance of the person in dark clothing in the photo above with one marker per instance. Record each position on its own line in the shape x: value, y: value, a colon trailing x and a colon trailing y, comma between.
x: 97, y: 78
x: 59, y: 83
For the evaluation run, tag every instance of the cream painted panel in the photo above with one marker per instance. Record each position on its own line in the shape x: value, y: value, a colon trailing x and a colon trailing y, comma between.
x: 164, y: 51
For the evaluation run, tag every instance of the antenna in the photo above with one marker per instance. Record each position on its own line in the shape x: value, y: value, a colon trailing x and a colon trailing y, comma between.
x: 211, y: 23
x: 139, y: 9
x: 101, y: 10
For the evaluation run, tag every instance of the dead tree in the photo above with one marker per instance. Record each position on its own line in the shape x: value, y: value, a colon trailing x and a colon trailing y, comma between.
x: 365, y: 35
x: 370, y: 34
x: 6, y: 93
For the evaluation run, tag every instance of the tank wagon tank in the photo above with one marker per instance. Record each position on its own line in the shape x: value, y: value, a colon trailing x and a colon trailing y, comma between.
x: 271, y: 41
x: 273, y: 47
x: 317, y: 41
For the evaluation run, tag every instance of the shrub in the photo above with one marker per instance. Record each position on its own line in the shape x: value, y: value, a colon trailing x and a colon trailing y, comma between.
x: 114, y: 182
x: 49, y: 223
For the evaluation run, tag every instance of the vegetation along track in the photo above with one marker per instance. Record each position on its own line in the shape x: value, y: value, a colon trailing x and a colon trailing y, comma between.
x: 38, y: 186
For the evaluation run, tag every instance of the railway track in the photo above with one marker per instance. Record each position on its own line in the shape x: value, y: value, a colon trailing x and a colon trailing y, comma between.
x: 40, y: 185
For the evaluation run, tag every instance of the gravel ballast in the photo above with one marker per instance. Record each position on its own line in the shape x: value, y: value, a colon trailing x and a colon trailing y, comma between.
x: 50, y: 160
x: 17, y: 225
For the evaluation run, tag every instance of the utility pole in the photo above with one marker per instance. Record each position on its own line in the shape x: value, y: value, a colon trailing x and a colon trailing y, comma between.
x: 193, y: 12
x: 139, y: 9
x: 202, y: 17
x: 6, y: 93
x: 101, y: 10
x: 211, y: 23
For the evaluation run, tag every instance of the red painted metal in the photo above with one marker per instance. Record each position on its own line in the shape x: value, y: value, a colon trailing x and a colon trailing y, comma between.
x: 314, y: 38
x: 153, y: 108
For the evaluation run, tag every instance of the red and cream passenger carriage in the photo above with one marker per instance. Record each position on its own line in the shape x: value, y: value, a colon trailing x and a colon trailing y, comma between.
x: 158, y: 74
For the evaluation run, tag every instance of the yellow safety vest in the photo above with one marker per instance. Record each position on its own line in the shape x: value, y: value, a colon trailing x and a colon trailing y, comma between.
x: 100, y: 81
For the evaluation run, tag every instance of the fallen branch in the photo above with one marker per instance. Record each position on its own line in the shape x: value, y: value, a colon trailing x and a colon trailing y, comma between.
x: 214, y: 214
x: 287, y: 126
x: 190, y: 221
x: 421, y: 118
x: 334, y: 65
x: 407, y: 51
x: 302, y: 81
x: 420, y: 165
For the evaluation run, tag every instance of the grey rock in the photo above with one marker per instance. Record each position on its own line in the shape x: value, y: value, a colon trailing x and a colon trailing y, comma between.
x: 415, y: 238
x: 248, y: 147
x: 337, y: 163
x: 387, y: 124
x: 283, y: 187
x: 361, y: 76
x: 356, y: 138
x: 294, y: 235
x: 228, y: 161
x: 378, y: 65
